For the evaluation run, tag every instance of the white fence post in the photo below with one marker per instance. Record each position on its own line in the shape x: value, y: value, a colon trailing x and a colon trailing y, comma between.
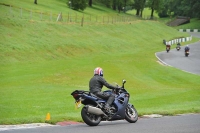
x: 181, y: 30
x: 187, y: 30
x: 195, y: 30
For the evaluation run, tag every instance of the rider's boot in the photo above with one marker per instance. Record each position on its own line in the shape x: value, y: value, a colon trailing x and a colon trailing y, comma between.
x: 107, y: 107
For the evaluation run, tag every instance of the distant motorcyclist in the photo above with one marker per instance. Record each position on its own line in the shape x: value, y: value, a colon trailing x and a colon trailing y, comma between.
x: 168, y: 46
x: 178, y: 47
x: 96, y: 84
x: 187, y: 48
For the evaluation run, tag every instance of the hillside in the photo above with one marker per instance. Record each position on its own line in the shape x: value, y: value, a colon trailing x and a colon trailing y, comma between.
x: 43, y: 61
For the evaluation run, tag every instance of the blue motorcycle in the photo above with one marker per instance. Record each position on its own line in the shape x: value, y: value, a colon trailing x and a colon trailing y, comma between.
x: 93, y: 111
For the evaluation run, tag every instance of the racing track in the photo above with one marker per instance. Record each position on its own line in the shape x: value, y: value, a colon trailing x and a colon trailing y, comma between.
x: 178, y: 60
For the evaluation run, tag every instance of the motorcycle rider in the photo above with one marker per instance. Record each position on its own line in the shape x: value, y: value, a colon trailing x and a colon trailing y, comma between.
x: 187, y: 48
x: 178, y: 45
x: 96, y: 84
x: 168, y: 46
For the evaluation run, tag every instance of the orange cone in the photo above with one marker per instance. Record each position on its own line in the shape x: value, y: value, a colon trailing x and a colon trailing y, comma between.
x: 48, y: 117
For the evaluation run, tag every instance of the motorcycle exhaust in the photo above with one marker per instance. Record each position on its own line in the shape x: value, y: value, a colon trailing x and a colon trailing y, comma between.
x: 94, y: 110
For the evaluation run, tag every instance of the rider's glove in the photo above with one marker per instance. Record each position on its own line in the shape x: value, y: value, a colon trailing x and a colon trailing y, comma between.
x: 118, y: 88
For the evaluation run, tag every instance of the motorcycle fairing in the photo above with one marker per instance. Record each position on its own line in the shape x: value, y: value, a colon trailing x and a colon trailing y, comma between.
x: 121, y: 103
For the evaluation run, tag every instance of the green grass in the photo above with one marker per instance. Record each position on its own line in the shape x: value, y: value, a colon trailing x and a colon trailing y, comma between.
x: 42, y: 62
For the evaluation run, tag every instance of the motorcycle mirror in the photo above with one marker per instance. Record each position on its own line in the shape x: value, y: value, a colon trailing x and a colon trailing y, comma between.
x: 124, y: 81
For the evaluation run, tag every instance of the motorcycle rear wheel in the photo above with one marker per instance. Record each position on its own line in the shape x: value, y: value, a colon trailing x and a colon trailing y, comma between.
x: 131, y: 114
x: 90, y: 119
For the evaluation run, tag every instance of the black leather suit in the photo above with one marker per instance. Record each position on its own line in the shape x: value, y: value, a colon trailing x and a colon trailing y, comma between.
x: 187, y: 48
x: 96, y: 84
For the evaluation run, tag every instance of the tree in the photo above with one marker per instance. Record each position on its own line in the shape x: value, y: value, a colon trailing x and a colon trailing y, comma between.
x: 195, y: 9
x: 35, y: 1
x: 125, y: 2
x: 139, y: 6
x: 154, y: 5
x: 78, y: 4
x: 114, y: 4
x: 117, y: 5
x: 165, y: 9
x: 90, y: 3
x: 142, y: 7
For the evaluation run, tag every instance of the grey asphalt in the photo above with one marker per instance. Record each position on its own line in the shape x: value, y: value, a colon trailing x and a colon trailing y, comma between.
x: 168, y: 124
x: 178, y: 60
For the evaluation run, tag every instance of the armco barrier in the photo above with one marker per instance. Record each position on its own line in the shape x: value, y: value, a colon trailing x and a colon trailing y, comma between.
x: 179, y: 40
x: 189, y: 30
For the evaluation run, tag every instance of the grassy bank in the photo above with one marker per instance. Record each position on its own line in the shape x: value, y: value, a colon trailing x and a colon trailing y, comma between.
x: 41, y: 63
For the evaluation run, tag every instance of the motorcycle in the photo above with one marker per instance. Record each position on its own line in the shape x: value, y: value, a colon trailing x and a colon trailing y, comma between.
x: 167, y: 48
x: 93, y: 111
x: 178, y: 48
x: 186, y: 53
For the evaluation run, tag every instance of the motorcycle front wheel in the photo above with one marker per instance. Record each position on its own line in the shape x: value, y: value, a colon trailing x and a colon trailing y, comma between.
x: 131, y: 114
x: 90, y: 119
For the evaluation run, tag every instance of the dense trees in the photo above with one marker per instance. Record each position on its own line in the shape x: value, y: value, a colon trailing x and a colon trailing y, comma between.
x: 189, y: 8
x: 164, y: 8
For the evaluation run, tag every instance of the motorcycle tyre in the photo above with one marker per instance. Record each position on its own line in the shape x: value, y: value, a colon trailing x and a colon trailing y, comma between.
x: 90, y: 119
x: 178, y: 49
x: 129, y: 118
